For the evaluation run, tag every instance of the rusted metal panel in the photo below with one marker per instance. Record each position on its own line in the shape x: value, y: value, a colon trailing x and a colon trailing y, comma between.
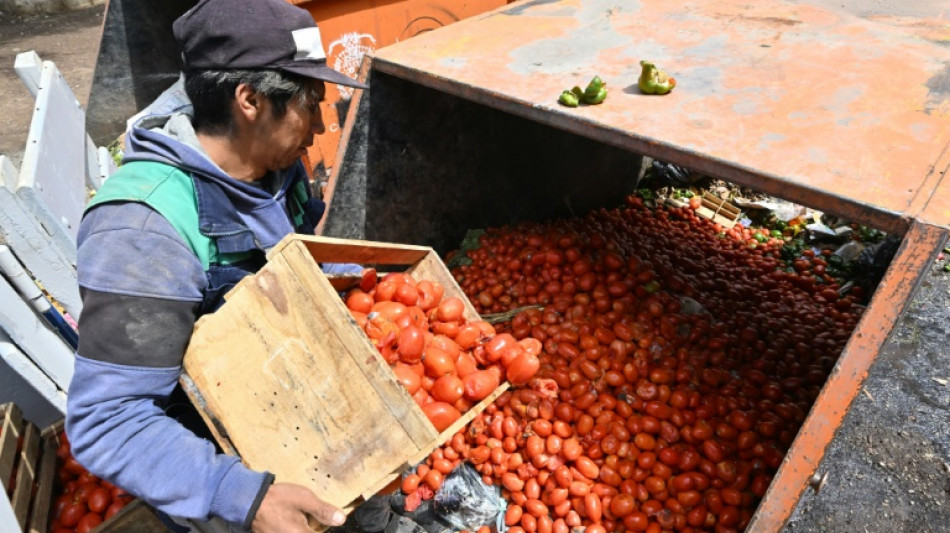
x: 920, y: 247
x: 351, y: 28
x: 844, y: 111
x: 937, y: 209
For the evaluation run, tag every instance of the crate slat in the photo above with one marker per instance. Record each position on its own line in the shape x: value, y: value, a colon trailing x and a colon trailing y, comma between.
x: 26, y: 473
x: 332, y: 250
x: 45, y: 478
x: 376, y: 370
x: 10, y: 434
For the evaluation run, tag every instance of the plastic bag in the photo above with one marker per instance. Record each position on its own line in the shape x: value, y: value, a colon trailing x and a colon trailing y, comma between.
x: 670, y: 175
x: 387, y: 514
x: 872, y: 262
x: 467, y: 503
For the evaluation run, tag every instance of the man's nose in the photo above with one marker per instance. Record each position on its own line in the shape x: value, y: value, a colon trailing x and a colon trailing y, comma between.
x: 317, y: 127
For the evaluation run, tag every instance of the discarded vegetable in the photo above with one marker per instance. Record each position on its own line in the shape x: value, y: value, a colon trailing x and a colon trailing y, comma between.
x: 654, y: 80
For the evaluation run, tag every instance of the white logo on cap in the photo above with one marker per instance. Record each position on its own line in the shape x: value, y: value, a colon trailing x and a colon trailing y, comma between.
x: 309, y: 45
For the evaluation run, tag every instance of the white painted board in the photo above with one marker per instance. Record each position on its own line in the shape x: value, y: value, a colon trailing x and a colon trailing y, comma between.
x: 24, y: 235
x: 107, y: 165
x: 24, y: 384
x: 8, y: 521
x: 30, y: 332
x: 52, y: 179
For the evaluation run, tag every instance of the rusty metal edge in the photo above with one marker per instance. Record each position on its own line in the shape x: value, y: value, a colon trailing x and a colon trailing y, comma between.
x: 885, y: 220
x: 348, y: 124
x: 920, y: 247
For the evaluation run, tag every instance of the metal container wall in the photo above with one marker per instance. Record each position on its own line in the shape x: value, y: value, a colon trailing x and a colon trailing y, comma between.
x: 827, y: 104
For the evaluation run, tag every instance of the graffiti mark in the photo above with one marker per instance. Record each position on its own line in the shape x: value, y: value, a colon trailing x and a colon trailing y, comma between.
x: 347, y: 53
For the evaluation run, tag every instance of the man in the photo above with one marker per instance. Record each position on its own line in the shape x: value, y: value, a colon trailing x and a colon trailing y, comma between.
x: 199, y: 199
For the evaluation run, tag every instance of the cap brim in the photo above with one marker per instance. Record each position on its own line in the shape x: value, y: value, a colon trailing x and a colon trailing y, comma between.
x: 322, y: 72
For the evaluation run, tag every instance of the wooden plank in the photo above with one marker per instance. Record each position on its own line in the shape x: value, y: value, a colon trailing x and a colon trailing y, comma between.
x: 52, y: 179
x: 294, y: 384
x: 31, y: 374
x: 45, y: 479
x: 49, y: 265
x: 34, y: 337
x: 10, y: 434
x: 378, y: 373
x: 332, y: 250
x: 26, y: 473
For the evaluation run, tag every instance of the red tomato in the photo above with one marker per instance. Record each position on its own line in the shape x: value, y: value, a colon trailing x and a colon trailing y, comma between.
x: 450, y: 310
x: 407, y: 376
x: 368, y: 279
x: 437, y: 362
x: 88, y: 523
x: 410, y: 483
x: 523, y: 368
x: 73, y: 467
x: 72, y: 514
x: 441, y: 414
x: 359, y: 301
x: 447, y: 389
x: 98, y: 500
x: 479, y: 384
x: 114, y: 508
x: 465, y: 365
x: 410, y: 344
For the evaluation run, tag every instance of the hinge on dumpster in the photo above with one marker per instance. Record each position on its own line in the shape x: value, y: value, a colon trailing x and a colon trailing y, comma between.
x: 714, y: 208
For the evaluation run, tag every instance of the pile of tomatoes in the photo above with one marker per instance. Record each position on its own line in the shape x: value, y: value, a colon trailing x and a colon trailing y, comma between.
x: 447, y: 363
x: 83, y: 501
x: 677, y: 363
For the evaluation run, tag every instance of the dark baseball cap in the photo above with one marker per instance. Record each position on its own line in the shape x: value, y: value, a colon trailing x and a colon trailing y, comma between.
x: 255, y: 34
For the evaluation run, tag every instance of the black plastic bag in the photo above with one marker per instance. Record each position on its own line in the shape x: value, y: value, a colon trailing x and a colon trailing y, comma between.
x: 670, y: 175
x: 873, y: 261
x: 465, y: 502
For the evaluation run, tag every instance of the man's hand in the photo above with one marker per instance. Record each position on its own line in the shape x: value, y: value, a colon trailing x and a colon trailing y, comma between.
x: 285, y: 508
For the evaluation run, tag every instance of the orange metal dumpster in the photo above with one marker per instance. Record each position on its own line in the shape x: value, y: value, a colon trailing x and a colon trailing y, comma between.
x: 827, y: 104
x: 351, y: 29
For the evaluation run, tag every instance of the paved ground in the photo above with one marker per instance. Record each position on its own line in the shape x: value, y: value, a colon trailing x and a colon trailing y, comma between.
x: 888, y: 469
x: 70, y: 39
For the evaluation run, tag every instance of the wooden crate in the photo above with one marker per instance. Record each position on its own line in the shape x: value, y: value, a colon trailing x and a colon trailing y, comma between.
x: 287, y: 380
x: 28, y: 465
x: 714, y: 208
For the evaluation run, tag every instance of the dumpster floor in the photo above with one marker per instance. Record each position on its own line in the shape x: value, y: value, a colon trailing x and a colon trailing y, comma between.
x: 888, y: 468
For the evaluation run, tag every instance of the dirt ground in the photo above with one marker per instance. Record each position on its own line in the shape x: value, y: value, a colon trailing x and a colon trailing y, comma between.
x: 69, y: 39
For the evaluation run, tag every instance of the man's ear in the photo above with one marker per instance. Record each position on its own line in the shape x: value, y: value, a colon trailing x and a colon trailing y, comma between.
x: 248, y: 102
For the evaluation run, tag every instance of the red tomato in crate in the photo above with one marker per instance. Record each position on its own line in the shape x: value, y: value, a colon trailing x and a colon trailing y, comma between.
x: 99, y: 500
x: 72, y: 514
x: 441, y: 414
x: 88, y: 522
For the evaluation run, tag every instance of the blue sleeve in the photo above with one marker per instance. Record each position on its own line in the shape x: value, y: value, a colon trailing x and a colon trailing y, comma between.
x: 120, y: 433
x: 341, y: 268
x: 140, y: 285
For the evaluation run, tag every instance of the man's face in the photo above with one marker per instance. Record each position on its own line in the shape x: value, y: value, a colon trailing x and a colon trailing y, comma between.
x: 281, y: 141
